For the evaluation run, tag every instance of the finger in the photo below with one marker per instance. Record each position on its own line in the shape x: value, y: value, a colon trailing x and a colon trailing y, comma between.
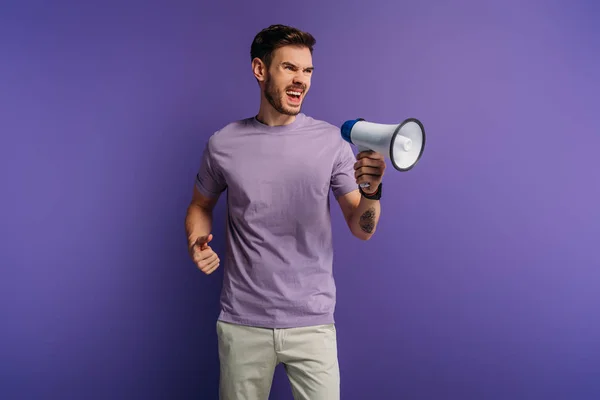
x: 212, y: 266
x: 369, y: 154
x: 206, y: 257
x: 205, y: 266
x: 366, y: 178
x: 369, y: 162
x: 203, y: 257
x: 203, y: 240
x: 368, y: 171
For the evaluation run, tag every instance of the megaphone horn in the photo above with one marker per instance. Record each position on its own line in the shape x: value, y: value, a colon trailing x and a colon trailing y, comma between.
x: 402, y: 143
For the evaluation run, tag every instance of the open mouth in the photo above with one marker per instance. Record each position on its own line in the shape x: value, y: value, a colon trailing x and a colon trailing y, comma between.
x: 294, y: 95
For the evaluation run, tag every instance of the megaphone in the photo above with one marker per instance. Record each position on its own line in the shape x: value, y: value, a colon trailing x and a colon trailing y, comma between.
x: 402, y: 143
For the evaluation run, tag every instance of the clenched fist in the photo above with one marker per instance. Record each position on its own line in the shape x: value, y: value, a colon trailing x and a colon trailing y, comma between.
x: 203, y: 255
x: 369, y: 169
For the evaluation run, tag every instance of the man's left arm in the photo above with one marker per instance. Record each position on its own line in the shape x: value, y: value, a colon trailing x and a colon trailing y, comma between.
x: 362, y: 212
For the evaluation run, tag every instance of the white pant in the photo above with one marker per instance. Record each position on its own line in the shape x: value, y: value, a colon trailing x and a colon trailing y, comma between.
x: 248, y: 357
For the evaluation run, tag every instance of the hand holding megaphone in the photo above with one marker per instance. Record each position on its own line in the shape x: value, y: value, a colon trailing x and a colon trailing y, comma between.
x: 369, y: 169
x: 402, y: 143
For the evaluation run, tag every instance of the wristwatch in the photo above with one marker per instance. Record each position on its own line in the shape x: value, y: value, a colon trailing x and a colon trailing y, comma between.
x: 374, y: 196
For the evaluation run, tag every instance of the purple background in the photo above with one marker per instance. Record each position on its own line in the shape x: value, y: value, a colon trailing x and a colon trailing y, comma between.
x: 483, y: 280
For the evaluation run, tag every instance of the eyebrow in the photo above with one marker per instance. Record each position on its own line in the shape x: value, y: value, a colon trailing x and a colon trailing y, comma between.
x: 287, y: 63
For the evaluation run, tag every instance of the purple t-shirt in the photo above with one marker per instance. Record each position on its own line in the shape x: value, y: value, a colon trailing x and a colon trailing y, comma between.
x: 279, y: 255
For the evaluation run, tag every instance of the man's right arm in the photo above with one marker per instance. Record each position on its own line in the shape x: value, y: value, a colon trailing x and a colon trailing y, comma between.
x: 198, y: 220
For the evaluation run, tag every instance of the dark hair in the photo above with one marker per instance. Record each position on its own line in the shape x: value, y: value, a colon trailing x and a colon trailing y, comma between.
x: 269, y: 39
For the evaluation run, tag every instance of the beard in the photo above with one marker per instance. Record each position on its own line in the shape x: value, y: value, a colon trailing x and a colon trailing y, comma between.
x: 275, y: 97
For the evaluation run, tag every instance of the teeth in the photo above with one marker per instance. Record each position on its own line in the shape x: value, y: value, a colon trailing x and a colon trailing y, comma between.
x: 294, y: 93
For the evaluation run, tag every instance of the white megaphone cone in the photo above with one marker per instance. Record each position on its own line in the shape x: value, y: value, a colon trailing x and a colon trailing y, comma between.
x: 402, y: 143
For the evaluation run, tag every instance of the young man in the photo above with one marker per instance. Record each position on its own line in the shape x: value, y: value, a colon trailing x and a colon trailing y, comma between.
x: 278, y: 294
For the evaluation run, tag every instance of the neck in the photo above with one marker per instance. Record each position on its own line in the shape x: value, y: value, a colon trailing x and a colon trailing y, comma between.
x: 271, y: 117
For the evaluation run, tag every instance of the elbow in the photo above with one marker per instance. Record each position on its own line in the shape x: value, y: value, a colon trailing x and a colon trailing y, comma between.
x: 362, y: 234
x: 364, y: 238
x: 363, y: 228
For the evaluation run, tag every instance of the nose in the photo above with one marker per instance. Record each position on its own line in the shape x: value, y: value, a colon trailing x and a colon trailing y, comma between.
x: 301, y: 79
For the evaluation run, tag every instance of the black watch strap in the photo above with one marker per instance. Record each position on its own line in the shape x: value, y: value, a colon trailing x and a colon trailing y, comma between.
x: 374, y: 196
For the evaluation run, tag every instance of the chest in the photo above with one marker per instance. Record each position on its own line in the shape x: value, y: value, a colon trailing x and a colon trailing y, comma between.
x: 271, y: 171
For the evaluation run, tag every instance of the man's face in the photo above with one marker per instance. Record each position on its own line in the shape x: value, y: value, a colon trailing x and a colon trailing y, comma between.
x: 288, y: 79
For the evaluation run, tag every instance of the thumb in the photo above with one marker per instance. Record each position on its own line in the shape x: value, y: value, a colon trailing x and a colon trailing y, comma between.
x: 203, y: 240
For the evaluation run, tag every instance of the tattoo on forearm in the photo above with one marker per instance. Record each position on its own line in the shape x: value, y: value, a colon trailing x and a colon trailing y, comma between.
x: 367, y: 220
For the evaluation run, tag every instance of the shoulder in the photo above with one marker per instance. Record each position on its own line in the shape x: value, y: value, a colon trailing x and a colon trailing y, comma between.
x: 229, y: 131
x: 232, y: 128
x: 318, y: 123
x: 325, y: 128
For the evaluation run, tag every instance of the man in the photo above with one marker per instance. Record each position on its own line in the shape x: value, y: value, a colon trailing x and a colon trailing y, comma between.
x: 278, y: 294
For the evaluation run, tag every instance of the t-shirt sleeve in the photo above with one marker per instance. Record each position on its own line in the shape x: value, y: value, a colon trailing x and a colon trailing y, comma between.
x: 342, y: 177
x: 209, y: 179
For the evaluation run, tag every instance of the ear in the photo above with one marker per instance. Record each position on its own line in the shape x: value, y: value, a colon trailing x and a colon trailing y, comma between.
x: 259, y: 69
